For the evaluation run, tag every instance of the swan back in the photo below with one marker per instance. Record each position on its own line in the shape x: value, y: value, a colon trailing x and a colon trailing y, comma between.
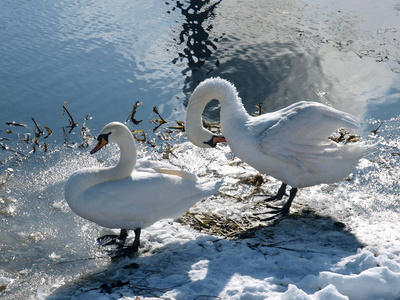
x: 142, y: 199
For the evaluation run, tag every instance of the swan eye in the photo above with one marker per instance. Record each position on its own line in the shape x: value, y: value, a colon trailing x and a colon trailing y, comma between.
x: 103, y: 136
x: 102, y: 141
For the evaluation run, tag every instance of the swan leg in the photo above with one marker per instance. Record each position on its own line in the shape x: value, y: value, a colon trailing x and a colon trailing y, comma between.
x: 136, y: 242
x: 276, y: 211
x: 279, y: 195
x: 286, y: 207
x: 111, y: 239
x: 126, y: 251
x: 123, y: 235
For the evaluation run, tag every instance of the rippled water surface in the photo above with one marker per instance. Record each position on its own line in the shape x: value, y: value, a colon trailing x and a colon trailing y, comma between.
x: 100, y: 57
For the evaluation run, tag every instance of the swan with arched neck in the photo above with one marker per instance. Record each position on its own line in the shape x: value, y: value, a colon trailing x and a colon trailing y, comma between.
x: 131, y: 196
x: 290, y: 144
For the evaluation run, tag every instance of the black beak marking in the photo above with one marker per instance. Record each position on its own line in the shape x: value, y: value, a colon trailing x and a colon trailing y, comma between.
x: 215, y: 140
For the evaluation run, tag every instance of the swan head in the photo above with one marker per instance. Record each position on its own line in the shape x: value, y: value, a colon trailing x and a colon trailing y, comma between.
x: 204, y: 138
x: 209, y: 89
x: 111, y: 133
x: 197, y: 134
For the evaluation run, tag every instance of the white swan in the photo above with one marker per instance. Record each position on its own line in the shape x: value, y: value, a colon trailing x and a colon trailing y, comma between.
x: 290, y: 144
x: 121, y: 197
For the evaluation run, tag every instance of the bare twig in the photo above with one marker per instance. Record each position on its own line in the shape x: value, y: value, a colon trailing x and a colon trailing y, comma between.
x: 49, y: 131
x: 133, y: 112
x: 375, y: 131
x: 136, y: 135
x: 158, y: 120
x: 180, y: 126
x: 260, y: 111
x: 345, y: 137
x: 15, y: 124
x: 38, y: 131
x: 72, y: 123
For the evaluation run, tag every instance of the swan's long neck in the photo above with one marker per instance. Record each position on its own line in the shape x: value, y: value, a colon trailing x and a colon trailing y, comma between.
x: 123, y: 168
x: 85, y: 179
x: 231, y: 108
x: 127, y: 161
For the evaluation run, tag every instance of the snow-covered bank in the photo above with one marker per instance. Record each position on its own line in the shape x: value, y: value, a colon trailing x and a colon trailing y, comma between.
x: 340, y: 242
x: 337, y: 241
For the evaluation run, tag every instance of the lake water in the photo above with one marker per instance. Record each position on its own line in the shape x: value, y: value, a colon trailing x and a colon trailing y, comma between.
x: 100, y: 57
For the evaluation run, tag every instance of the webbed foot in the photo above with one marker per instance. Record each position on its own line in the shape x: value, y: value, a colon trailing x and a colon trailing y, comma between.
x: 123, y: 251
x: 277, y: 211
x: 112, y: 239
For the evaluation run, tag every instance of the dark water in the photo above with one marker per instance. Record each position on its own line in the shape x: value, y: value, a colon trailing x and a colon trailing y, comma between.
x: 101, y: 57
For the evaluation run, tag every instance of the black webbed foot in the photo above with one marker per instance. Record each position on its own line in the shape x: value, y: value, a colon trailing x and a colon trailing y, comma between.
x: 279, y: 195
x: 274, y: 209
x: 277, y: 211
x: 108, y: 240
x: 123, y: 251
x: 112, y: 239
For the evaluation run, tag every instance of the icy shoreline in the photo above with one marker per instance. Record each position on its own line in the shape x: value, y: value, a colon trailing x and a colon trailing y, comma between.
x: 340, y: 242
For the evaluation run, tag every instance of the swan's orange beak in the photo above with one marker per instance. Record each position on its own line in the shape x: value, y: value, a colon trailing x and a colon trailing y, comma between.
x: 219, y: 139
x: 215, y: 140
x: 102, y: 142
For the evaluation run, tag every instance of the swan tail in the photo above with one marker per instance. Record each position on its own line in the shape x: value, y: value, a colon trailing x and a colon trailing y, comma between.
x: 210, y: 188
x: 340, y: 160
x: 179, y: 173
x: 147, y: 165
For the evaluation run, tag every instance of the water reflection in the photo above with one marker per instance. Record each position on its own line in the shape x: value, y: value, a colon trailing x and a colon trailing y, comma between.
x: 275, y: 72
x: 278, y: 53
x: 197, y: 46
x: 194, y: 36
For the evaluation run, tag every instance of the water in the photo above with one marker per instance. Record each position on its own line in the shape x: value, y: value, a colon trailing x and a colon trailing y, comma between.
x: 101, y: 57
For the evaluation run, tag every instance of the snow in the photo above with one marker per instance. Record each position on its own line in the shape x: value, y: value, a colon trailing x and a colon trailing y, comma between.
x: 4, y: 281
x: 374, y: 283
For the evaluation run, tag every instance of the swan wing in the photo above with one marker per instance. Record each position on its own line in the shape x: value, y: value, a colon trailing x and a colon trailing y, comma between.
x: 299, y: 134
x: 147, y: 165
x: 142, y: 199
